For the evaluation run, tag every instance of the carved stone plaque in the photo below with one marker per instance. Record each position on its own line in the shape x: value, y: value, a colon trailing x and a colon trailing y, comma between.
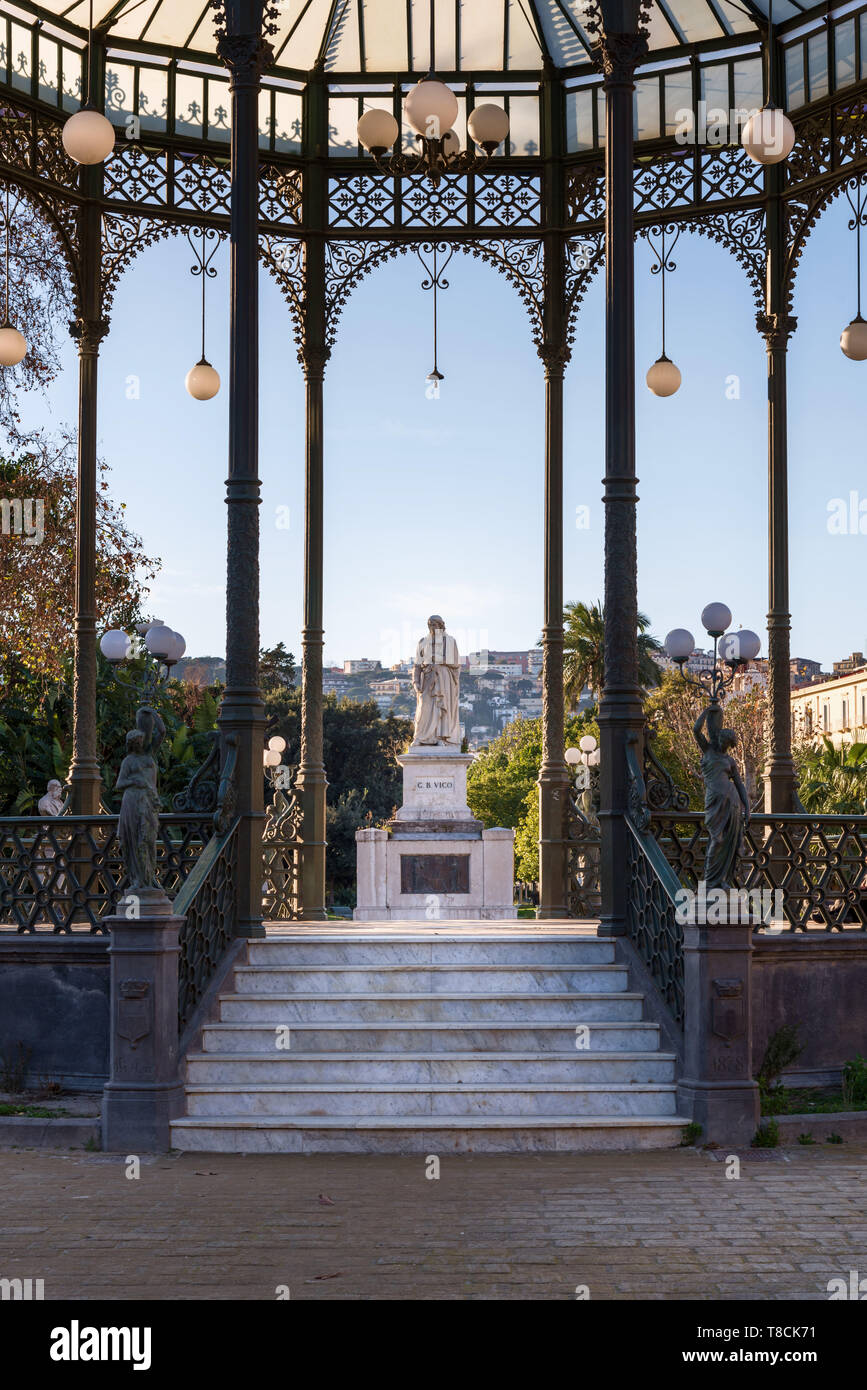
x: 434, y: 873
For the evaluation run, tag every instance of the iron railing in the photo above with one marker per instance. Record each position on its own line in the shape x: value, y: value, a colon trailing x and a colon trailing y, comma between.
x: 652, y: 923
x: 651, y: 917
x: 819, y: 863
x: 208, y: 903
x: 583, y: 839
x: 64, y: 872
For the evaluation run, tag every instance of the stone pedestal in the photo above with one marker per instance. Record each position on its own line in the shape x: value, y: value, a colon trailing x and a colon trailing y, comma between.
x: 145, y: 1091
x: 718, y: 1088
x: 435, y: 861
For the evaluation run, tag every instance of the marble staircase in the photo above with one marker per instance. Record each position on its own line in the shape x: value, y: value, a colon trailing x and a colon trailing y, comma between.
x: 423, y: 1039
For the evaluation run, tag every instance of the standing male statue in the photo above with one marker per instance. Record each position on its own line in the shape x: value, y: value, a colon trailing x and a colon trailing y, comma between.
x: 435, y: 676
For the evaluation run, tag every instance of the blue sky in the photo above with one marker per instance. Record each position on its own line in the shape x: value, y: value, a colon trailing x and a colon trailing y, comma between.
x: 436, y: 505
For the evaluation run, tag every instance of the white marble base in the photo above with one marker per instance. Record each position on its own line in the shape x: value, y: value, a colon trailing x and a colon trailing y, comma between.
x: 489, y: 885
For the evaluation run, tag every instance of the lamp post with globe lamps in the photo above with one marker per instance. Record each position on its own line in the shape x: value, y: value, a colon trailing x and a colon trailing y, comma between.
x: 731, y: 650
x: 585, y: 760
x: 162, y: 649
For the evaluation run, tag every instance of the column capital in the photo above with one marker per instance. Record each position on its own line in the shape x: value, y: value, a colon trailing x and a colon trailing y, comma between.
x: 88, y: 333
x: 246, y: 56
x: 555, y: 358
x: 618, y: 55
x: 314, y: 361
x: 776, y: 329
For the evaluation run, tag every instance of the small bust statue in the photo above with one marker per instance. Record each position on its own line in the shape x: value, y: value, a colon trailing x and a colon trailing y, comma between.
x: 726, y: 806
x: 139, y: 821
x: 51, y: 804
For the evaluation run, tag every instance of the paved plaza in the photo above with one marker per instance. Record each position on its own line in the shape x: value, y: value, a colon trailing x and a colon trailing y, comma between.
x: 660, y: 1225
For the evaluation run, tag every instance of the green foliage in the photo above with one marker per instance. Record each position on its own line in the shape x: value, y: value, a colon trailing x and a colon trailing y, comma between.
x: 833, y: 781
x: 584, y: 651
x: 783, y: 1049
x: 501, y: 784
x: 854, y: 1084
x: 36, y: 734
x: 806, y: 1139
x: 767, y: 1135
x: 691, y: 1133
x: 834, y: 1139
x: 364, y: 779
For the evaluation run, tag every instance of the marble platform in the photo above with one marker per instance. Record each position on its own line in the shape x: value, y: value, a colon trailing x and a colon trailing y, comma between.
x: 435, y: 861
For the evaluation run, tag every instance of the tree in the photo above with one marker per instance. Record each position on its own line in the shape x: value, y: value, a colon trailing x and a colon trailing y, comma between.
x: 832, y: 781
x: 501, y: 783
x: 584, y: 651
x: 276, y: 669
x: 365, y: 781
x: 672, y: 709
x: 37, y: 573
x: 40, y: 298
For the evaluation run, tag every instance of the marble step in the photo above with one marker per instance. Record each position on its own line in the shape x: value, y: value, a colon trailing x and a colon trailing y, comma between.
x: 424, y: 1134
x: 526, y: 977
x: 419, y: 1036
x: 429, y: 947
x: 252, y: 1069
x: 533, y: 1009
x: 430, y: 1098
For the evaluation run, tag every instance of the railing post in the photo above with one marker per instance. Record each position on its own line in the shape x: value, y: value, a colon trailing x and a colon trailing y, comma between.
x: 620, y: 708
x: 717, y: 1086
x: 246, y: 53
x: 144, y: 1092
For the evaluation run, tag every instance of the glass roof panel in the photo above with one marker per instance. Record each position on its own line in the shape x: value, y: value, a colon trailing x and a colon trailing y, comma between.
x: 385, y: 45
x: 695, y: 21
x: 379, y: 36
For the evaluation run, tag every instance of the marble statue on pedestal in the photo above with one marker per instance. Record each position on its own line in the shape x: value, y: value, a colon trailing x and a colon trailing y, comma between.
x: 435, y: 678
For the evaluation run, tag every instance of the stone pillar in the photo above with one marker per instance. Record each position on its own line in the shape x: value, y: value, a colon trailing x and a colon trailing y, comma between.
x: 717, y: 1085
x: 620, y: 708
x: 85, y: 780
x: 145, y: 1091
x: 246, y: 54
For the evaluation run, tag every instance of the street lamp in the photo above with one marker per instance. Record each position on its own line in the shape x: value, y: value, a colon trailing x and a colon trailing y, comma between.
x: 88, y: 136
x: 431, y: 109
x: 163, y: 649
x: 730, y: 649
x: 769, y: 136
x: 276, y: 772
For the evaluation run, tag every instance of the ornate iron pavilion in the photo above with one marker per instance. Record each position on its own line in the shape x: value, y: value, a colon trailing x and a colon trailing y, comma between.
x: 242, y: 118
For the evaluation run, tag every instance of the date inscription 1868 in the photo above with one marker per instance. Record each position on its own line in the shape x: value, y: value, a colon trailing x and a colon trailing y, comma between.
x: 434, y: 873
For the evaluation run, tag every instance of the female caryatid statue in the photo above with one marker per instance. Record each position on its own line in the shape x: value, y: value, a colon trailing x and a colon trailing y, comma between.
x: 726, y: 807
x: 139, y: 821
x: 435, y: 676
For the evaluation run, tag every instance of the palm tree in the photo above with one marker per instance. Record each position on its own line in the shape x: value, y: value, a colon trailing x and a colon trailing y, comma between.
x: 584, y: 651
x: 833, y: 781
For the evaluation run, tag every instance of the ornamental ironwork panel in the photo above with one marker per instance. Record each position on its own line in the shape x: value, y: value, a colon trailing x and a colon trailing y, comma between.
x: 67, y: 872
x: 727, y: 172
x: 583, y: 836
x: 136, y: 173
x: 507, y: 199
x: 652, y: 925
x: 279, y: 193
x: 361, y: 201
x: 281, y: 858
x: 664, y: 183
x: 209, y: 905
x: 818, y: 862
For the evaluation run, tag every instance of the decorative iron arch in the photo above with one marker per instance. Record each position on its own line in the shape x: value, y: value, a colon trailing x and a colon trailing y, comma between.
x: 520, y: 260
